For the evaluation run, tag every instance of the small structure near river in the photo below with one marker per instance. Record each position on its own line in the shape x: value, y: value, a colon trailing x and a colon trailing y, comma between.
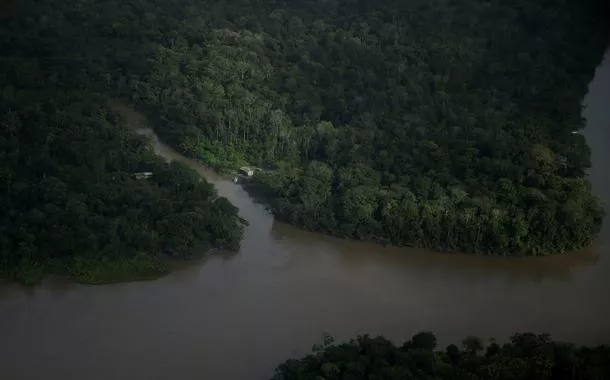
x: 143, y: 175
x: 245, y: 173
x: 248, y: 172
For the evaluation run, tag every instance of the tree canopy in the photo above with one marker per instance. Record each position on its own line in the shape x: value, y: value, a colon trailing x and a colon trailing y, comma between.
x: 526, y: 356
x: 441, y: 124
x: 71, y: 199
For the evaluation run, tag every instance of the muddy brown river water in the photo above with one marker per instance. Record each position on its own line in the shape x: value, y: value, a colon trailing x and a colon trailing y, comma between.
x: 235, y: 316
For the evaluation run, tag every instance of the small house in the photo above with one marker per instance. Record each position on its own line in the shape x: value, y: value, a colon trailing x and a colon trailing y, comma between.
x: 143, y: 175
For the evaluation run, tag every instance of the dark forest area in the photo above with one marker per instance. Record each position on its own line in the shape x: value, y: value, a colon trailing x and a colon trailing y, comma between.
x: 525, y: 357
x: 446, y: 124
x: 442, y: 124
x: 71, y: 196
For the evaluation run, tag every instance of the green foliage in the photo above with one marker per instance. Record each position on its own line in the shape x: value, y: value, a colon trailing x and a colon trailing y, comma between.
x: 217, y: 156
x: 525, y: 357
x: 439, y: 124
x: 70, y: 198
x: 435, y: 124
x: 445, y: 134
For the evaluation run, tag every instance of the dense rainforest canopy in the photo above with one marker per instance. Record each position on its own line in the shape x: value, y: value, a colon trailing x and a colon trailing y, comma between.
x: 70, y: 199
x: 443, y: 124
x: 70, y: 202
x: 525, y: 357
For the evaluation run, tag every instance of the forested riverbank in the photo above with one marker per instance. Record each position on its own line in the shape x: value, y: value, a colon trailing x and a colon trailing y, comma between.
x: 440, y: 125
x: 73, y: 198
x: 445, y: 125
x: 526, y: 357
x: 73, y: 205
x: 454, y: 134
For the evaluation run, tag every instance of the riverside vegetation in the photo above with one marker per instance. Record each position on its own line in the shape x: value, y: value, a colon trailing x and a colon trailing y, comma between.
x: 71, y: 204
x: 70, y: 201
x: 525, y: 357
x: 441, y: 124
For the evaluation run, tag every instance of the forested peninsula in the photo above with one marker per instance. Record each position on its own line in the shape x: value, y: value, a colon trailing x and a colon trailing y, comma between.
x: 441, y: 124
x: 525, y: 357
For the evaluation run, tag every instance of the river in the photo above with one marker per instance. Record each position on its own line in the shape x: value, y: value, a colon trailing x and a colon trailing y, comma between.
x: 234, y: 316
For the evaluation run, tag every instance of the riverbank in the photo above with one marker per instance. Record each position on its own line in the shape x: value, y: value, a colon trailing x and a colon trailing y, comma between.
x: 527, y: 356
x: 484, y: 164
x: 88, y: 200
